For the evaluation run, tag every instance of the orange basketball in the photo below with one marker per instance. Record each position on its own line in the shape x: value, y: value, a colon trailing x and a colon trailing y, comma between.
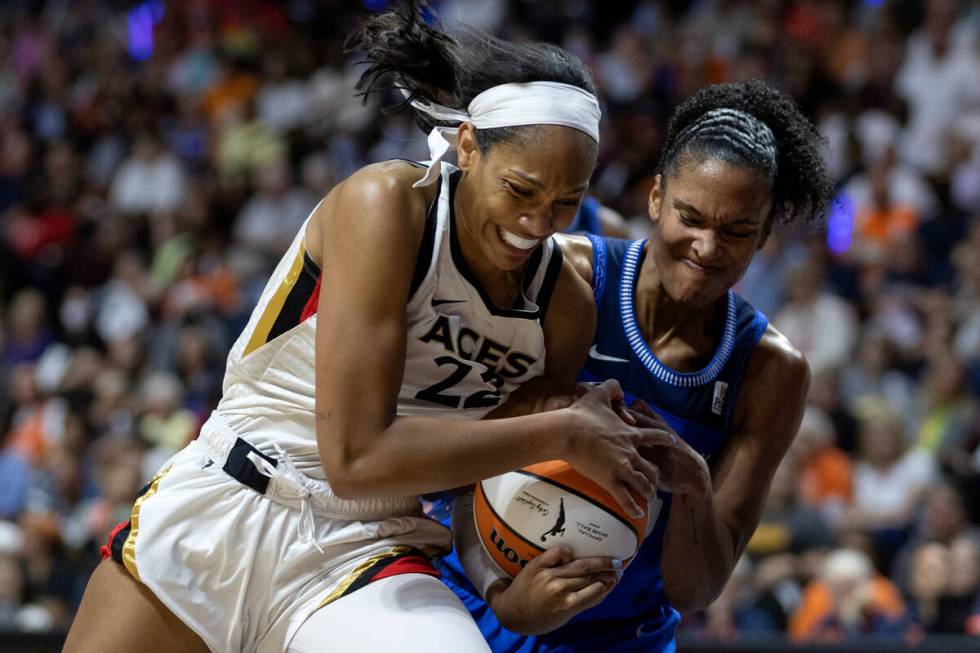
x: 522, y: 513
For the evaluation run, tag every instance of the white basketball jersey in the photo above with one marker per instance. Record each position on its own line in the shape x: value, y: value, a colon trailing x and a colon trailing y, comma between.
x: 464, y: 356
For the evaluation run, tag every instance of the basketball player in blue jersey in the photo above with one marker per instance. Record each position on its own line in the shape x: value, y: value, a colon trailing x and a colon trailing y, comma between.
x: 412, y: 302
x: 738, y: 158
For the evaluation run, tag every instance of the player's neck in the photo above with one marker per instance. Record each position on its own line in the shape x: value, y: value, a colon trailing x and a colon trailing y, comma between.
x: 663, y: 320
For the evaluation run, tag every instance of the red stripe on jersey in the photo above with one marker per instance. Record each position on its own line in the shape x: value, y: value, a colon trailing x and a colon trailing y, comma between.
x: 106, y: 549
x: 410, y: 564
x: 310, y: 308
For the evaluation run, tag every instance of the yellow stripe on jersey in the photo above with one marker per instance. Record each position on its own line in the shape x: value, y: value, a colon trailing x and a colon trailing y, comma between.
x: 261, y: 334
x: 129, y: 546
x: 359, y: 571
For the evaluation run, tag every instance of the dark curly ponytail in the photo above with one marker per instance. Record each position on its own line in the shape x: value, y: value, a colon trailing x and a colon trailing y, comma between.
x: 453, y: 69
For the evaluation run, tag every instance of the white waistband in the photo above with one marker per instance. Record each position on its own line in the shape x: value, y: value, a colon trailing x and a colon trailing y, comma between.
x: 290, y: 486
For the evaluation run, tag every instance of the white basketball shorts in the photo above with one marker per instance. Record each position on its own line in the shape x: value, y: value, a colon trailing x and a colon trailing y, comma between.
x: 243, y: 548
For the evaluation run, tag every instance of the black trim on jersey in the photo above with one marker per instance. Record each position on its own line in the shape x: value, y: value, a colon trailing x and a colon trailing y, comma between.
x: 464, y: 269
x: 423, y: 259
x: 243, y: 470
x: 309, y: 265
x: 299, y: 294
x: 367, y: 576
x: 532, y: 268
x: 583, y: 496
x: 550, y: 280
x: 119, y: 540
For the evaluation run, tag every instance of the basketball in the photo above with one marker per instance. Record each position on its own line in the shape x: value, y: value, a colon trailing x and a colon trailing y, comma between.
x: 522, y: 513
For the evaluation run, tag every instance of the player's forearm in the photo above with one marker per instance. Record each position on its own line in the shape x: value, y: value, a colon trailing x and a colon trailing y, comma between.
x: 415, y: 455
x: 699, y: 553
x: 535, y: 396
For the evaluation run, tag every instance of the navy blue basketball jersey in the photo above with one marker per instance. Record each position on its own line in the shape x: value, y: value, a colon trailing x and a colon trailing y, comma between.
x: 636, y: 615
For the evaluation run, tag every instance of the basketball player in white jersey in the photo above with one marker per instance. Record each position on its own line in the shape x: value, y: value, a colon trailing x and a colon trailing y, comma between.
x: 413, y: 302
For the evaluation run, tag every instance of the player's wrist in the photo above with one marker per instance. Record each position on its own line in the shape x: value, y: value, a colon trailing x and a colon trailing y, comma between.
x: 495, y: 590
x: 565, y: 438
x: 700, y: 500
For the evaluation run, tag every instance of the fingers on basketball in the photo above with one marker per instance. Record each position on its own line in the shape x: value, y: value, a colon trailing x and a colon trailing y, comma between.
x: 556, y: 557
x: 621, y: 493
x: 585, y: 567
x: 590, y: 595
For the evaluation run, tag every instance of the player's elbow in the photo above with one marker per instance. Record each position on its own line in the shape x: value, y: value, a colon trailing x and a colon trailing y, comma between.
x: 693, y: 599
x: 344, y: 473
x: 341, y: 482
x: 691, y: 592
x: 348, y: 480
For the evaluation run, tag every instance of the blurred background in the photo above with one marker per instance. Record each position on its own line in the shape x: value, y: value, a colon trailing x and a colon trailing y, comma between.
x: 156, y: 159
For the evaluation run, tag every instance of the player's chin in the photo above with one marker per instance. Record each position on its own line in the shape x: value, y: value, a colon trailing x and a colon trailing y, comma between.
x: 511, y: 258
x: 698, y: 295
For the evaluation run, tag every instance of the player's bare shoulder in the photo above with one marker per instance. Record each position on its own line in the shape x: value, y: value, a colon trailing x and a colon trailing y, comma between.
x: 577, y: 250
x: 777, y: 371
x: 380, y: 193
x: 777, y: 360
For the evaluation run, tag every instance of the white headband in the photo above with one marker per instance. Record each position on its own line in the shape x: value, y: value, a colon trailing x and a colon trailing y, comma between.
x: 510, y: 105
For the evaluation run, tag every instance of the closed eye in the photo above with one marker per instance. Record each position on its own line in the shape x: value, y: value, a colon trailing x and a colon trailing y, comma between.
x: 518, y: 190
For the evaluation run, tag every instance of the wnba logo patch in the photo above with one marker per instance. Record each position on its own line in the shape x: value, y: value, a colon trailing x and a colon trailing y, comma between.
x: 718, y: 401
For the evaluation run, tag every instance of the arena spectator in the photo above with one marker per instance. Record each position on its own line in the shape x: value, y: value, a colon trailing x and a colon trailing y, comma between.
x: 848, y: 599
x: 818, y: 322
x: 824, y: 474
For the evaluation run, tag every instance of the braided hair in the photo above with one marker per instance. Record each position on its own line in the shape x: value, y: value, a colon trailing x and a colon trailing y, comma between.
x: 452, y: 70
x: 752, y: 124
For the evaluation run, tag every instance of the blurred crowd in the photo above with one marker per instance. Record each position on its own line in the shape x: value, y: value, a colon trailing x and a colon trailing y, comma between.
x: 157, y: 157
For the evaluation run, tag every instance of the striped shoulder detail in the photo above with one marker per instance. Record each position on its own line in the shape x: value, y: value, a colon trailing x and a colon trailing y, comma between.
x: 294, y: 301
x: 598, y: 267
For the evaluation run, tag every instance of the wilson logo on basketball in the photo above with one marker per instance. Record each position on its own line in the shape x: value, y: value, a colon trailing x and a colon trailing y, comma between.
x: 510, y: 555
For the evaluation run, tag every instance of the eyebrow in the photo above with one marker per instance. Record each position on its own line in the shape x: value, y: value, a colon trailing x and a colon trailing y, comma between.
x: 684, y: 206
x: 540, y: 186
